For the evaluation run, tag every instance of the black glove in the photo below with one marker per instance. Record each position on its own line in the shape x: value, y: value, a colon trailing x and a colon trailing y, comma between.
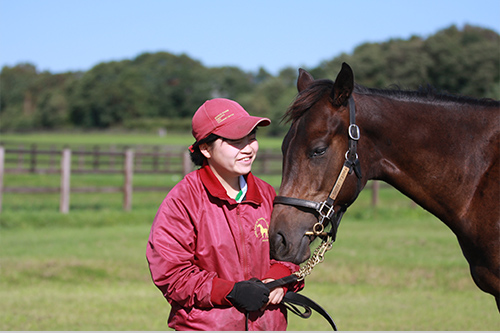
x: 249, y: 295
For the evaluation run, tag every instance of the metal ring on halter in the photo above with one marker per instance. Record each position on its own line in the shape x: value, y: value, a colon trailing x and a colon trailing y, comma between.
x: 347, y: 153
x: 318, y: 230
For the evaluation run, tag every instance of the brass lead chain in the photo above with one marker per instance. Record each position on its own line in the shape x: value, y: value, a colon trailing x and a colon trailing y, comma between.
x: 317, y: 257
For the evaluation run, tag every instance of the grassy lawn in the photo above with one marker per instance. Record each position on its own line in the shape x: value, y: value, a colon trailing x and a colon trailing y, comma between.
x: 393, y: 267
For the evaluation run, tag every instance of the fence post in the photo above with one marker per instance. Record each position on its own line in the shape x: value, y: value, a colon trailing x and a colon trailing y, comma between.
x: 128, y: 168
x: 65, y: 180
x: 2, y: 170
x: 186, y: 163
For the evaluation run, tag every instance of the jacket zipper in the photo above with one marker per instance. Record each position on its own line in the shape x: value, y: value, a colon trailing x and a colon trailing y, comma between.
x: 243, y: 245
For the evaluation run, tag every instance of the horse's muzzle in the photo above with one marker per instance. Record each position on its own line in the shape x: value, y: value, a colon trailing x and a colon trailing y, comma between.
x: 285, y: 249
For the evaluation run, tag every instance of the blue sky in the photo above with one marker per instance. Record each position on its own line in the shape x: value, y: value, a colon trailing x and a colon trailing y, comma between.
x: 59, y: 36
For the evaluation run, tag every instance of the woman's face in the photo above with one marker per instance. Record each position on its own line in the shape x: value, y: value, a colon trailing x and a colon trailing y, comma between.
x: 232, y: 158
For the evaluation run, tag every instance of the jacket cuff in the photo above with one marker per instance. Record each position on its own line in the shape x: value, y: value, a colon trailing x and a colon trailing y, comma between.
x: 277, y: 271
x: 220, y: 289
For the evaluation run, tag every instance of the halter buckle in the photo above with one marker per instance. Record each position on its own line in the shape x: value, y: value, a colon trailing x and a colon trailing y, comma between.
x: 354, y: 132
x: 325, y: 211
x: 329, y: 211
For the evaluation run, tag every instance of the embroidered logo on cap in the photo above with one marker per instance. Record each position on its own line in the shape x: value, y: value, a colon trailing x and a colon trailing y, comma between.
x: 223, y: 116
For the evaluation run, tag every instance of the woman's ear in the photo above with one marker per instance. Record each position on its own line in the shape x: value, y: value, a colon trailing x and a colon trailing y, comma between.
x: 204, y: 149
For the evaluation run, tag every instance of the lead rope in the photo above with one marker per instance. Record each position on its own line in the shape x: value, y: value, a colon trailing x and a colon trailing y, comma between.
x: 291, y: 299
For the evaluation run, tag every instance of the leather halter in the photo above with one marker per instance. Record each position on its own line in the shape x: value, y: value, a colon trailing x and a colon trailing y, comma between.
x: 325, y: 209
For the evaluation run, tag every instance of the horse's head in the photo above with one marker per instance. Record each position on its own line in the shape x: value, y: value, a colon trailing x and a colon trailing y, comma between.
x: 314, y: 151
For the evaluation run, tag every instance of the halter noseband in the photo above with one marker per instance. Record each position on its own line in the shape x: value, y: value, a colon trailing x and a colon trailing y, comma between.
x: 325, y: 209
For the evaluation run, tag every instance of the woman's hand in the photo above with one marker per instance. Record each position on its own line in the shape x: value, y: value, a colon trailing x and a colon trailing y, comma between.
x: 276, y: 294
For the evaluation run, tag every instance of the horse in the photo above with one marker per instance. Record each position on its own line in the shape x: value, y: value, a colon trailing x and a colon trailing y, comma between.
x: 440, y: 150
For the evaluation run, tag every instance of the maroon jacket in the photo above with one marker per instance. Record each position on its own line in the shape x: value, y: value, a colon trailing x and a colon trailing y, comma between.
x: 202, y: 242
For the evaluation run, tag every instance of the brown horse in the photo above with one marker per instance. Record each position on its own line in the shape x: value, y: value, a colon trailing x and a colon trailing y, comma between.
x: 441, y: 151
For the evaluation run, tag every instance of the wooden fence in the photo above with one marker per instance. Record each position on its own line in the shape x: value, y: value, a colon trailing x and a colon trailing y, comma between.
x: 37, y: 159
x: 111, y: 160
x: 94, y: 159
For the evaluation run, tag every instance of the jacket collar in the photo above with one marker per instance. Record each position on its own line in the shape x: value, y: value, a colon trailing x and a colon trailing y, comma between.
x: 215, y: 188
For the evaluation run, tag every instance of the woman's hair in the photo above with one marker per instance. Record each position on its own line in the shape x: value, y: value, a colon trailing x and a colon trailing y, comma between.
x: 196, y: 156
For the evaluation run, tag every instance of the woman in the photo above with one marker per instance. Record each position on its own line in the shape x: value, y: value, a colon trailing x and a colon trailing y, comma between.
x: 208, y: 250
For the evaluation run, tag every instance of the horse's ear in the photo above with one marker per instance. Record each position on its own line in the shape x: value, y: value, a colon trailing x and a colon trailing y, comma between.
x: 304, y: 80
x: 344, y: 85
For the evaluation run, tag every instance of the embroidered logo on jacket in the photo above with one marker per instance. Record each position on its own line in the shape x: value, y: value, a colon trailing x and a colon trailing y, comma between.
x: 261, y: 229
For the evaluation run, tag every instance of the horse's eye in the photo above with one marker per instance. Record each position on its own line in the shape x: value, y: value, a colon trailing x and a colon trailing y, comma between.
x: 318, y: 152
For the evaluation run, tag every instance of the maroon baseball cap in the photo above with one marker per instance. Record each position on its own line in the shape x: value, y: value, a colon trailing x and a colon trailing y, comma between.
x: 225, y: 118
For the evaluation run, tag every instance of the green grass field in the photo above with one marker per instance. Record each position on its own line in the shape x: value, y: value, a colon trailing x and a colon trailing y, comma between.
x: 393, y: 267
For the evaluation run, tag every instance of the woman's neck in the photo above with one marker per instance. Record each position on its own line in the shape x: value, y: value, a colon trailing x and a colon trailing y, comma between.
x: 230, y: 183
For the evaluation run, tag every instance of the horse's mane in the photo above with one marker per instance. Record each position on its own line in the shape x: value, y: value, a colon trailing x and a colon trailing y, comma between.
x: 308, y: 97
x: 425, y: 94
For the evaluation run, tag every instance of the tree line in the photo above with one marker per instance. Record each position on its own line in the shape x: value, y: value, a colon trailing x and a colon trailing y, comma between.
x: 163, y: 90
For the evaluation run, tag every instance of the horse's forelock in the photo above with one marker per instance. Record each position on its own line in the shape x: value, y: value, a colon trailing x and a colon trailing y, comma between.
x: 307, y: 98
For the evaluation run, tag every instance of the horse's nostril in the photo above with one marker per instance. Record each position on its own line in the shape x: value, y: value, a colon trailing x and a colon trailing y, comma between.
x: 281, y: 239
x: 278, y: 243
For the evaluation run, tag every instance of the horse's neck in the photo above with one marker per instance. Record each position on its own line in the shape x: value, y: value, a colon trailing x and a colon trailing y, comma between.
x: 427, y: 152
